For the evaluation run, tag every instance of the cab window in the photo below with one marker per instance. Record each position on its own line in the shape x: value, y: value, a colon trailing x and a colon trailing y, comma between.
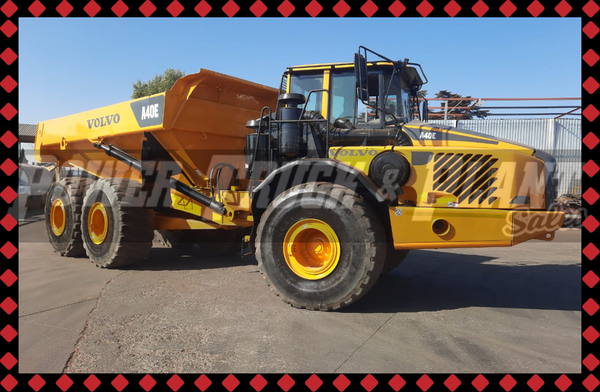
x: 343, y: 97
x: 303, y: 84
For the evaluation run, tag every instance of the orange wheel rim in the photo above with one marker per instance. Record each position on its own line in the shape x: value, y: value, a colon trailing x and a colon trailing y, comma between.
x: 311, y: 249
x: 58, y: 217
x: 98, y: 223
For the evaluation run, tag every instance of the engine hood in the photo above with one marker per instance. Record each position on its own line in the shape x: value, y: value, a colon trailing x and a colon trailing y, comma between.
x: 426, y: 134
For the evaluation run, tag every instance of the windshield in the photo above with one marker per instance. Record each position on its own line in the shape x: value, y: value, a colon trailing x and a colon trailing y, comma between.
x: 386, y: 91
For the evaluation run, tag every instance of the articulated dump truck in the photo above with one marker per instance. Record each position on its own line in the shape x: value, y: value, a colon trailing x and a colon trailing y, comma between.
x: 329, y: 188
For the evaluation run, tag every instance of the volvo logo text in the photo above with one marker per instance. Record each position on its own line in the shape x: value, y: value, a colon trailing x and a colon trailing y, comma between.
x: 103, y: 121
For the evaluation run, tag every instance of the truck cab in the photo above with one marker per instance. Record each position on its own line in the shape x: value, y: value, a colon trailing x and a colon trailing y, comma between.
x: 390, y: 93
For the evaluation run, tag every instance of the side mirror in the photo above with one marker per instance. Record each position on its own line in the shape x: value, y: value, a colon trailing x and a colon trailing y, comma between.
x: 362, y: 81
x: 425, y: 111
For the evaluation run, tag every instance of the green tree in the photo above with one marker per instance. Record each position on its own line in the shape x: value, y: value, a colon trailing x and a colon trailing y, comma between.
x: 458, y: 114
x: 158, y: 84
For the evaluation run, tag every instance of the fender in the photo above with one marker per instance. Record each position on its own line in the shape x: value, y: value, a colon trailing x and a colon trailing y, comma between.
x: 302, y: 171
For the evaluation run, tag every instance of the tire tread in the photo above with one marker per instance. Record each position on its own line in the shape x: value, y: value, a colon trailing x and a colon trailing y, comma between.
x: 75, y: 187
x: 136, y: 223
x: 373, y: 231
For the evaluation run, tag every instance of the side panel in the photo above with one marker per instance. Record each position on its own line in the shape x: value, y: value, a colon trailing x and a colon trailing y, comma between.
x: 413, y: 227
x: 200, y: 122
x: 461, y: 177
x: 236, y: 202
x: 74, y: 133
x: 428, y: 135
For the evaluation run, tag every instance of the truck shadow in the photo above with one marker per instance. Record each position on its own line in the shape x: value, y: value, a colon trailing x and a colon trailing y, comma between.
x: 430, y: 281
x: 189, y: 258
x: 426, y: 281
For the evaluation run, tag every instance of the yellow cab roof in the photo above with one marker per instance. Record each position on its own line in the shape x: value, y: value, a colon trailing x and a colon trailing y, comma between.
x: 330, y: 65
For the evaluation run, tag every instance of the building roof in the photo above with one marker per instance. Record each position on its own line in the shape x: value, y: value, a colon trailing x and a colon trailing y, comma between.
x: 27, y: 133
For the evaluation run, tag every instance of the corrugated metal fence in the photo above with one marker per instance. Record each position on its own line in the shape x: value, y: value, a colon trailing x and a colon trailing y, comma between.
x: 560, y: 137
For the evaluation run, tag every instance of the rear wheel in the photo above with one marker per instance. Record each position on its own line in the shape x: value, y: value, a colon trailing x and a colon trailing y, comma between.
x: 320, y: 246
x: 62, y: 213
x: 116, y: 229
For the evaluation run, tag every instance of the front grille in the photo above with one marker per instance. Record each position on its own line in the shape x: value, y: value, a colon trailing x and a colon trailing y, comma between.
x: 469, y: 177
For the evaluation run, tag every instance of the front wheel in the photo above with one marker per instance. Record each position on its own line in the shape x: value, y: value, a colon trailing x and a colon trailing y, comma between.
x: 320, y: 246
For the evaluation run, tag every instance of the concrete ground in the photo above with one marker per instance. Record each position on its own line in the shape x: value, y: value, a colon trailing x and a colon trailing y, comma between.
x: 468, y: 310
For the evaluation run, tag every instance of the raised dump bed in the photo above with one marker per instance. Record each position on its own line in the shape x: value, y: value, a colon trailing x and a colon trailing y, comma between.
x: 150, y: 159
x: 202, y: 115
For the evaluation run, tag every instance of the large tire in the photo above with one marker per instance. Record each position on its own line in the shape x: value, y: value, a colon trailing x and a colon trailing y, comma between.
x: 394, y: 259
x: 62, y: 212
x: 317, y: 213
x: 116, y: 229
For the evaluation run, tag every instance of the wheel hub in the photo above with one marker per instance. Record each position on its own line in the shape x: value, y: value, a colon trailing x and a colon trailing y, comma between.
x: 98, y: 223
x: 57, y: 217
x: 311, y: 249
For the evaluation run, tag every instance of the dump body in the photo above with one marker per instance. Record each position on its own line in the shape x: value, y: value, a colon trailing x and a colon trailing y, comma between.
x: 201, y: 117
